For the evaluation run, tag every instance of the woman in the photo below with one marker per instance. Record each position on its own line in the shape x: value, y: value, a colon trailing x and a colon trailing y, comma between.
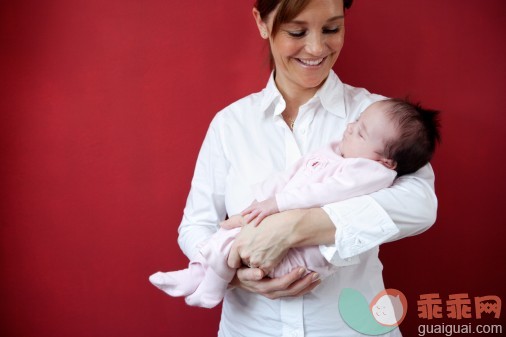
x: 303, y: 107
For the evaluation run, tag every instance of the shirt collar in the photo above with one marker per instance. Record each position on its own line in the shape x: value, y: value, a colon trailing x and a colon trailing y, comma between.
x: 331, y: 95
x: 271, y: 94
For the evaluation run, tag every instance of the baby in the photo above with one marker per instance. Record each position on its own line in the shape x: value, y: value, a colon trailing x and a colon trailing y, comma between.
x: 391, y: 138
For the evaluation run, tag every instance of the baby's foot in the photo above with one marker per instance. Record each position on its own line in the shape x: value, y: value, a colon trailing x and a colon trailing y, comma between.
x: 178, y: 283
x: 210, y: 292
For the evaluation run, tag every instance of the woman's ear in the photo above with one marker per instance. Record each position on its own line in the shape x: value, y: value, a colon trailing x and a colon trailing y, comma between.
x: 388, y: 163
x: 262, y: 26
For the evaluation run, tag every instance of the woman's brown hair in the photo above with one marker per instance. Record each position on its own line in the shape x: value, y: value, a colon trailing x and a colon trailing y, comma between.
x: 288, y: 10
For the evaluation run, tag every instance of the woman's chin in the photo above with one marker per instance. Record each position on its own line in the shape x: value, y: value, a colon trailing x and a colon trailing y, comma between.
x: 312, y: 82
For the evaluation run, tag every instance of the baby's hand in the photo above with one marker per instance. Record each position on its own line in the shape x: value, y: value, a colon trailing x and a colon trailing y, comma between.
x: 233, y: 222
x: 257, y: 211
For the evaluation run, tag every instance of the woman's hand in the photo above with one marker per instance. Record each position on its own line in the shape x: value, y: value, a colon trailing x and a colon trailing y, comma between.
x: 291, y: 284
x: 263, y: 246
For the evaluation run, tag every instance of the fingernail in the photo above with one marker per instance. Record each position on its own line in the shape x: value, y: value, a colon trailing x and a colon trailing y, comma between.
x: 316, y: 276
x: 302, y: 271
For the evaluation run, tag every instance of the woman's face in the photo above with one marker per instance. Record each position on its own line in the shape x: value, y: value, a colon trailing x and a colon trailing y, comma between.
x: 306, y: 48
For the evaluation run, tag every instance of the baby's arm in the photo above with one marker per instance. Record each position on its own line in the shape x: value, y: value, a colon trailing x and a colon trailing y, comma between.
x: 356, y: 177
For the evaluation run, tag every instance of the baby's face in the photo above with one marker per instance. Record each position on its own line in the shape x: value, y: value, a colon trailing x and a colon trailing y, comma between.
x: 366, y: 137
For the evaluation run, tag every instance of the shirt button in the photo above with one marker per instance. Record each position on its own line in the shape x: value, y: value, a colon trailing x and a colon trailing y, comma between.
x: 295, y: 334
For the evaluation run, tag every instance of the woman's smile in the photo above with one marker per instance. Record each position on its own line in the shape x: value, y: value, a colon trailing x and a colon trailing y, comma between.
x: 311, y: 63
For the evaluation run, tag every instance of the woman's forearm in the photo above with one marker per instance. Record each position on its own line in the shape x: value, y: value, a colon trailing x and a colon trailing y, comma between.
x: 311, y: 227
x: 406, y: 208
x: 411, y: 203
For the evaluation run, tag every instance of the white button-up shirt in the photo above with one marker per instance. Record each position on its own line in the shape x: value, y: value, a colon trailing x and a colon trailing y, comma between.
x: 247, y: 142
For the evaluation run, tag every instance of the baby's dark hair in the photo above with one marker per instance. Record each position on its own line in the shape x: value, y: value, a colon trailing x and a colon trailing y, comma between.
x: 419, y: 135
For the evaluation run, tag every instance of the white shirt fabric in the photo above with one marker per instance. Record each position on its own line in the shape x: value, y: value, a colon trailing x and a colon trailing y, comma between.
x: 247, y: 142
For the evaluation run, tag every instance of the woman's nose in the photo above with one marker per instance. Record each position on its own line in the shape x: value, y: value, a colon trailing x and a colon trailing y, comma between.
x: 315, y: 44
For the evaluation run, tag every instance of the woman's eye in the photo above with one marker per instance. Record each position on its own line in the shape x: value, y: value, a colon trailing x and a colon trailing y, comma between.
x: 300, y: 33
x: 331, y: 31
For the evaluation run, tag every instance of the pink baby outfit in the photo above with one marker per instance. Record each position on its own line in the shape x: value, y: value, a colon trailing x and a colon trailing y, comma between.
x: 316, y: 179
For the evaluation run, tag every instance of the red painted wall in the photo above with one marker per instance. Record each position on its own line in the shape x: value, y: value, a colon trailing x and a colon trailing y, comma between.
x: 104, y: 105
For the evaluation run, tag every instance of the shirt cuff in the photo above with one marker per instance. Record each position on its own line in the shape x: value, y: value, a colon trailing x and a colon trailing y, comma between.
x: 329, y: 252
x: 361, y: 224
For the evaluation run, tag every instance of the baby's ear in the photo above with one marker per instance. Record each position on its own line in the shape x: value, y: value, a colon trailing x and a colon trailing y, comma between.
x: 388, y: 163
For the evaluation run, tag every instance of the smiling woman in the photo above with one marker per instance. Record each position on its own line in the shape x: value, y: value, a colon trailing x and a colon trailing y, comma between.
x: 303, y: 107
x: 305, y: 43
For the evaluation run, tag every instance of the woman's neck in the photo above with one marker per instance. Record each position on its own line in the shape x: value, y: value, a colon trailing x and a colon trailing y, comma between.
x: 294, y: 99
x: 294, y: 96
x: 293, y: 103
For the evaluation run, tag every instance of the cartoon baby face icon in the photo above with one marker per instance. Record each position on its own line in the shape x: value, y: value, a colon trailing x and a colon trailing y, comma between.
x: 389, y: 307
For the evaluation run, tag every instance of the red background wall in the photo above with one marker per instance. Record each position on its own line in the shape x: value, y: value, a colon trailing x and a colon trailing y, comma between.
x: 104, y: 105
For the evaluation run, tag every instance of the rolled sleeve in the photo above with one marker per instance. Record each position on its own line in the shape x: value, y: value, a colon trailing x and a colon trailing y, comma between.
x: 361, y: 224
x: 405, y: 209
x: 410, y: 202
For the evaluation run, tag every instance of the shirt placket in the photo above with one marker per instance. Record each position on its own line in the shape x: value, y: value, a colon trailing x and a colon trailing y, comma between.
x: 292, y: 150
x: 292, y: 320
x: 300, y: 130
x: 292, y: 309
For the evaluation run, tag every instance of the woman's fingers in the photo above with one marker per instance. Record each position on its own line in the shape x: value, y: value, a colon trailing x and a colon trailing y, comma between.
x: 234, y: 259
x: 291, y: 284
x: 284, y: 282
x: 250, y: 274
x: 299, y: 287
x: 309, y: 288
